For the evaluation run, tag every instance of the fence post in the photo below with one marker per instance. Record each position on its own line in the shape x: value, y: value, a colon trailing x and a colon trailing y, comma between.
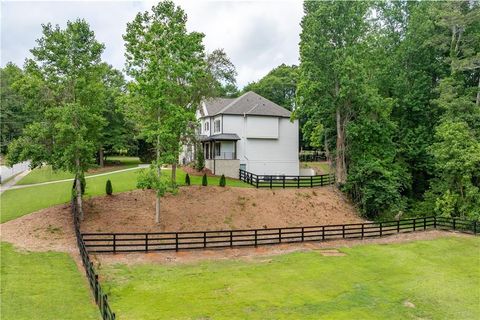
x: 414, y: 224
x: 323, y: 232
x: 204, y: 239
x: 231, y: 239
x: 302, y: 234
x: 424, y: 223
x: 146, y: 242
x: 434, y: 222
x: 176, y: 241
x: 279, y: 235
x: 453, y: 223
x: 114, y: 243
x: 298, y: 182
x: 321, y: 180
x: 283, y: 182
x: 311, y: 181
x: 256, y: 181
x: 398, y: 226
x: 255, y: 237
x: 343, y: 231
x: 271, y: 180
x: 381, y: 230
x: 363, y: 227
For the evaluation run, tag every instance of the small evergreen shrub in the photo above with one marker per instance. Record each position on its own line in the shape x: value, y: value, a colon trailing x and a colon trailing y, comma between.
x: 200, y: 160
x: 222, y: 182
x: 187, y: 180
x: 108, y: 187
x: 204, y: 180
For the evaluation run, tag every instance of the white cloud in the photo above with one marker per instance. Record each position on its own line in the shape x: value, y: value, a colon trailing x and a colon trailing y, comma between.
x: 257, y: 36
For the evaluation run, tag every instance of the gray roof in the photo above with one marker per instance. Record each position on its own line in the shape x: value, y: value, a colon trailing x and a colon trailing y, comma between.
x: 249, y: 103
x: 219, y: 137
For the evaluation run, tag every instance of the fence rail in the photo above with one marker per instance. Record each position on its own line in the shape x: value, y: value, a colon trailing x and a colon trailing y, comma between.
x: 101, y: 298
x: 272, y: 181
x: 312, y: 156
x: 160, y: 241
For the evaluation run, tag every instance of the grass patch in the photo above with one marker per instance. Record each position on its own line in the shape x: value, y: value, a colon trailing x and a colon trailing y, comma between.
x: 43, y: 285
x: 15, y: 203
x: 323, y: 167
x: 46, y: 173
x: 437, y: 279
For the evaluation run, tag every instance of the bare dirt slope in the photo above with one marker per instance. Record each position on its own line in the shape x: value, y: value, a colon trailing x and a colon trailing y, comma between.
x: 216, y: 208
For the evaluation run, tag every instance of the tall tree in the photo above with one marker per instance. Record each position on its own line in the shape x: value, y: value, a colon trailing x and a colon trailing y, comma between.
x: 13, y: 117
x: 279, y: 86
x: 455, y: 190
x: 337, y: 94
x: 66, y: 61
x: 168, y: 66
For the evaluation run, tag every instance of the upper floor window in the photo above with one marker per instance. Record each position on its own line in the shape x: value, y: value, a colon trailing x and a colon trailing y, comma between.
x: 206, y: 126
x: 216, y: 126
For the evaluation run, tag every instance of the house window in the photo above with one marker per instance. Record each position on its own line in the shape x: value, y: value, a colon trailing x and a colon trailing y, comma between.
x: 217, y: 149
x: 216, y: 126
x: 206, y: 126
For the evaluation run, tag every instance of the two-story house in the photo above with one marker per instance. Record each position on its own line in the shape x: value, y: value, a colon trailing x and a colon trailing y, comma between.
x: 250, y: 133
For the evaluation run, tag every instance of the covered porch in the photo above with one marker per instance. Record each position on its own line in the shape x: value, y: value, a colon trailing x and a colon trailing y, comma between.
x: 220, y: 152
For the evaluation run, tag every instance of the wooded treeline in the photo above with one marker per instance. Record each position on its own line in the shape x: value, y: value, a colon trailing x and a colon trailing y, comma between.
x: 390, y: 90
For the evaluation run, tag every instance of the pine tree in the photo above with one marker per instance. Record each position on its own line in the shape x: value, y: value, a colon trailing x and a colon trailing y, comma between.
x: 222, y: 182
x: 204, y: 180
x: 187, y: 180
x: 108, y: 187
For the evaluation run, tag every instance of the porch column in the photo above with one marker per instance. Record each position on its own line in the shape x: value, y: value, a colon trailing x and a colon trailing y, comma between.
x: 235, y: 150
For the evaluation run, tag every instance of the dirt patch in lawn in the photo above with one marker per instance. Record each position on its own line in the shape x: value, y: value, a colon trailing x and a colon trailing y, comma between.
x: 44, y: 230
x: 216, y: 208
x: 261, y: 254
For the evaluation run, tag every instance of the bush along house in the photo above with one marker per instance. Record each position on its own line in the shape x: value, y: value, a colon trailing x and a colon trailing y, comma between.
x: 250, y: 133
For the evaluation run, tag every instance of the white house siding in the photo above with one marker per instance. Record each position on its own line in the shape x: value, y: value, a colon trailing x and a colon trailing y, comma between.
x: 265, y: 156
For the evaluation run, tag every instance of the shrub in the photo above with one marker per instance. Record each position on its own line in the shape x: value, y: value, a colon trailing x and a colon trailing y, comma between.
x: 204, y: 180
x: 187, y: 180
x: 108, y: 187
x: 222, y: 182
x: 200, y: 160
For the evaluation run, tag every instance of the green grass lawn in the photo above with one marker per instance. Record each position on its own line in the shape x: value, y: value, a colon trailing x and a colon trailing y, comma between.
x: 46, y: 173
x: 43, y: 285
x: 441, y: 278
x: 18, y: 202
x: 322, y: 166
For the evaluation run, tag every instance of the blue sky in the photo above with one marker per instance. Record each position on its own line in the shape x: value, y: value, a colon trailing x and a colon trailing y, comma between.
x: 257, y: 35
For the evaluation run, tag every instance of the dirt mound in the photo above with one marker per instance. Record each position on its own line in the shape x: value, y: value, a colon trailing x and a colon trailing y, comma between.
x: 216, y: 208
x: 44, y: 230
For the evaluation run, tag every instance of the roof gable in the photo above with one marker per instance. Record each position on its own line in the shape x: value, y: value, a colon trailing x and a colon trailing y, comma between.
x: 249, y: 103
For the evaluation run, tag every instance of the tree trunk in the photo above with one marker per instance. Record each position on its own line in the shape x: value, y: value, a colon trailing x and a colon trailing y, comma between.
x: 78, y: 191
x: 157, y: 206
x: 174, y: 174
x: 100, y: 157
x: 340, y: 165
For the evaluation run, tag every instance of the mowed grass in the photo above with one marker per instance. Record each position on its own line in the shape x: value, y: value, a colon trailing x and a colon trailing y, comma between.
x: 18, y: 202
x: 43, y: 285
x: 323, y: 167
x: 437, y: 279
x: 46, y: 173
x: 15, y: 203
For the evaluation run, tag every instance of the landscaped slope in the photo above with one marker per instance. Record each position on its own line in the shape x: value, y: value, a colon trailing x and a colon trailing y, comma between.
x: 216, y: 208
x: 436, y: 279
x: 43, y: 285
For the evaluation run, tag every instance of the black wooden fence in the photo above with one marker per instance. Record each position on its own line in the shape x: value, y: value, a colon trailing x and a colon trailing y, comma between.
x: 159, y: 241
x: 271, y: 181
x: 100, y: 297
x: 312, y: 156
